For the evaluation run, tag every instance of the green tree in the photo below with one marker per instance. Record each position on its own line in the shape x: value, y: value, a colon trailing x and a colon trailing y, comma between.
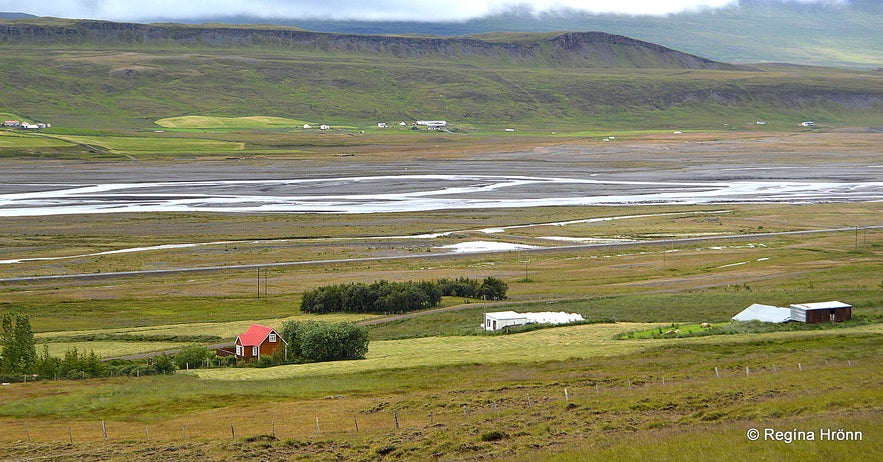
x: 493, y: 289
x: 324, y: 341
x: 192, y: 356
x: 163, y: 364
x: 19, y: 350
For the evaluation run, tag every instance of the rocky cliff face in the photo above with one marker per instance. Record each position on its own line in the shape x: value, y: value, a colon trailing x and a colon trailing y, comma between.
x: 574, y: 49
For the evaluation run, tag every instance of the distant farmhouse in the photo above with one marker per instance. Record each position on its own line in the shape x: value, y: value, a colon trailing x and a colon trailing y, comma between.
x: 258, y: 341
x: 811, y: 313
x: 432, y: 124
x: 25, y: 125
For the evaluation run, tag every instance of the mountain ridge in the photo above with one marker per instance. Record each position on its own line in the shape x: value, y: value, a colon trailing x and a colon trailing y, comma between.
x: 566, y: 49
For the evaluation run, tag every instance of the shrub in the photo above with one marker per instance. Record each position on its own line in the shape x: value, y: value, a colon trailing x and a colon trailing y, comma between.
x: 192, y: 356
x: 324, y: 341
x: 494, y: 435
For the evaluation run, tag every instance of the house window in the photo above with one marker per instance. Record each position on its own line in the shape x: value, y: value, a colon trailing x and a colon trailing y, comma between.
x: 254, y: 351
x: 272, y: 338
x: 239, y: 350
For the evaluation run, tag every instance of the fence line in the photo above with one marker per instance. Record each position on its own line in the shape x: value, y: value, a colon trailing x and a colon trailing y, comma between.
x: 35, y: 431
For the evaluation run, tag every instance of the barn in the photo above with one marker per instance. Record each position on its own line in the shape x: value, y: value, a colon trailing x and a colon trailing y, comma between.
x: 258, y: 341
x: 814, y: 313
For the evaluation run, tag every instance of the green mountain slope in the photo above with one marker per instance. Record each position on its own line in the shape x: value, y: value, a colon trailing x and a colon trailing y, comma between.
x: 124, y: 75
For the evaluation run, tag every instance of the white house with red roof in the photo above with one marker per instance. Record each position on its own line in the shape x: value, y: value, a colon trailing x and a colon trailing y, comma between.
x: 259, y: 341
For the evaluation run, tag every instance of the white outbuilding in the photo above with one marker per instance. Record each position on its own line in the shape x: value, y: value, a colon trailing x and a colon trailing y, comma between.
x: 503, y: 319
x: 764, y: 313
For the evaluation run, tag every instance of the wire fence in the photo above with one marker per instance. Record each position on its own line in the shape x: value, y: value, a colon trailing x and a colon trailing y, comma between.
x: 333, y: 419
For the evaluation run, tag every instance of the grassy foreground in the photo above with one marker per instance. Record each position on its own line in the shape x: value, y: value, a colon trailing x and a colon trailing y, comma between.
x: 707, y: 391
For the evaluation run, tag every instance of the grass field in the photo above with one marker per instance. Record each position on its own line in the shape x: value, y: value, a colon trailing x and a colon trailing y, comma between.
x: 249, y: 122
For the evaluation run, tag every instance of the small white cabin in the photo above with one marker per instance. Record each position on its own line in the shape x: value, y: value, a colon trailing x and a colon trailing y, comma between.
x: 324, y: 127
x: 503, y: 319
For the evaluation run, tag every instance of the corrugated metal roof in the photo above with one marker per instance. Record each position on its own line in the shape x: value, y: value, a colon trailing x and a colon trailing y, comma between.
x: 821, y: 305
x: 764, y: 313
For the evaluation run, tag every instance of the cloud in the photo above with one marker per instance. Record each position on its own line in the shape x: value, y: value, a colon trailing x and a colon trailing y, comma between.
x: 387, y: 10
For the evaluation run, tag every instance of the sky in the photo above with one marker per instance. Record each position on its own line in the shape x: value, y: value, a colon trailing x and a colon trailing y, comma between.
x: 385, y: 10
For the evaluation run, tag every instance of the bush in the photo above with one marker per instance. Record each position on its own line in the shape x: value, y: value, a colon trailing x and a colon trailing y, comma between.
x: 314, y: 341
x: 495, y: 435
x: 192, y: 356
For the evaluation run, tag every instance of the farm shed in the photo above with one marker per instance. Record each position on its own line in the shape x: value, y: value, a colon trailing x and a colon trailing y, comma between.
x: 819, y: 312
x: 502, y: 319
x: 764, y: 313
x: 258, y: 341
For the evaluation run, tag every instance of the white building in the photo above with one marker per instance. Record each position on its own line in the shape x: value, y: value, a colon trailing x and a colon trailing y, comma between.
x: 432, y: 124
x: 764, y: 313
x: 503, y: 319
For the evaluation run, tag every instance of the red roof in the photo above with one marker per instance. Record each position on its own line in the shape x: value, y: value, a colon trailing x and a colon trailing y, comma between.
x: 255, y: 335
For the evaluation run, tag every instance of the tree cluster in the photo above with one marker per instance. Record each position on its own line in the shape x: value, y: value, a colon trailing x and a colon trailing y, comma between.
x: 18, y: 352
x: 314, y: 341
x: 395, y: 297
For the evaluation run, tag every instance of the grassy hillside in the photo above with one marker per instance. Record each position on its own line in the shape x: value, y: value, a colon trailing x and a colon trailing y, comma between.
x: 131, y: 87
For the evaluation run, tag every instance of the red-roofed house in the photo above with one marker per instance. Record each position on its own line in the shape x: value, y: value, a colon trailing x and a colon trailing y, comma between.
x: 258, y: 341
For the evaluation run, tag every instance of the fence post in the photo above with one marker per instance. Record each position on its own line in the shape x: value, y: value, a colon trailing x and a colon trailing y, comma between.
x: 318, y: 429
x: 28, y: 431
x: 395, y: 416
x: 70, y: 434
x: 566, y: 396
x: 274, y: 429
x: 356, y: 421
x: 430, y: 417
x: 233, y: 431
x: 747, y: 372
x: 799, y: 367
x: 184, y: 432
x: 464, y: 410
x: 104, y: 430
x: 717, y: 372
x: 147, y: 433
x: 663, y: 380
x: 529, y: 404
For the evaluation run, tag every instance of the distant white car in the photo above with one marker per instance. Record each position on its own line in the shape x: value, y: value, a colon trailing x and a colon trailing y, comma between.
x: 808, y: 123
